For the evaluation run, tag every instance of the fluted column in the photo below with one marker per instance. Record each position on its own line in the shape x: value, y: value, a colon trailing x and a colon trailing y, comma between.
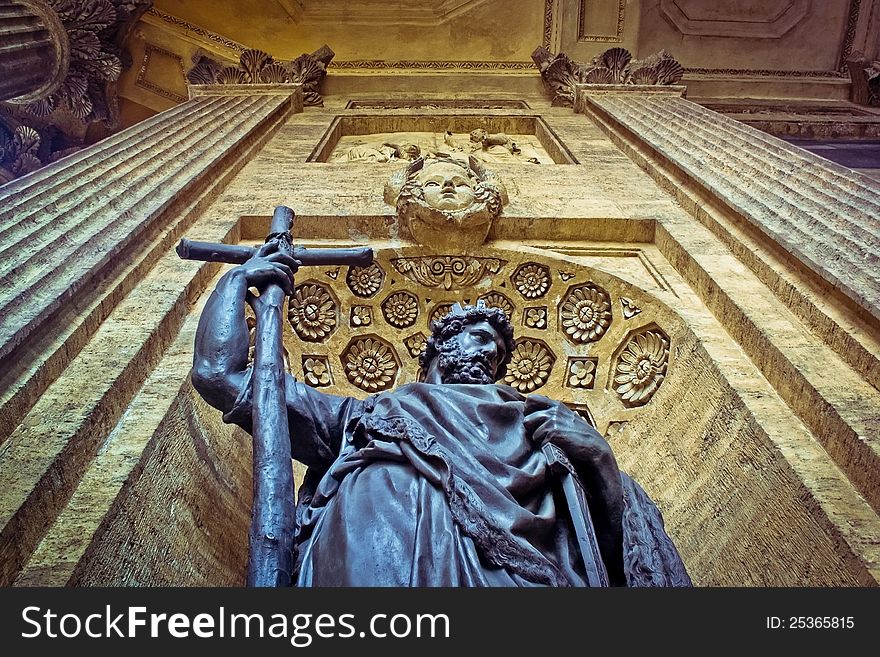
x: 33, y: 50
x: 824, y: 214
x: 64, y: 231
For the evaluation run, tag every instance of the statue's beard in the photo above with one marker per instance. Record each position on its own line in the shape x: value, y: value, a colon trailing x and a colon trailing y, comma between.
x: 457, y: 366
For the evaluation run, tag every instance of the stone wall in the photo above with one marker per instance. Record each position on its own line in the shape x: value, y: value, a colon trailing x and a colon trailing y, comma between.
x: 758, y: 446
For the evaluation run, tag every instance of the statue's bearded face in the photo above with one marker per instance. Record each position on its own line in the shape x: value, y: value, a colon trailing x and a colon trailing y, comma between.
x: 446, y: 186
x: 472, y: 355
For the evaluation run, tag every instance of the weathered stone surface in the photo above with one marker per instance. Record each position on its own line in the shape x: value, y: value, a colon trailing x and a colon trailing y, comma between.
x: 823, y: 214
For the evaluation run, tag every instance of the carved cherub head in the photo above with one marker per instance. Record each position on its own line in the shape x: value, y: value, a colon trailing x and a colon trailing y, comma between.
x: 472, y: 344
x: 446, y: 202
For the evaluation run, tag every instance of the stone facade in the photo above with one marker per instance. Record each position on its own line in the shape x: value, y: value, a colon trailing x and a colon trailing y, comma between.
x: 699, y: 303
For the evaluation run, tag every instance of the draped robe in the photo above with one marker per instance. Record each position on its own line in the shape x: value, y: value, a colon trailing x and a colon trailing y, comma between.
x: 439, y: 485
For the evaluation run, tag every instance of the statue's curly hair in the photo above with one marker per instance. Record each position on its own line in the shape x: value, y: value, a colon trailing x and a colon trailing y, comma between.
x: 452, y: 324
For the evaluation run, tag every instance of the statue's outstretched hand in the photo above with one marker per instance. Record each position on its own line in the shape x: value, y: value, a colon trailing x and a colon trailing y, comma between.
x: 270, y: 265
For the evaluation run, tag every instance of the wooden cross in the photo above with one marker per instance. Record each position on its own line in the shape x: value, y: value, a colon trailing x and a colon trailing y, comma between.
x: 270, y: 540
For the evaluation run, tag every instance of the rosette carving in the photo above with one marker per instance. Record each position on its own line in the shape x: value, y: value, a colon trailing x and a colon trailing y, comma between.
x: 530, y: 365
x: 370, y: 364
x: 531, y: 280
x: 498, y: 300
x: 581, y: 373
x: 364, y: 282
x: 316, y: 371
x: 585, y: 313
x: 312, y: 312
x: 641, y: 366
x: 401, y: 309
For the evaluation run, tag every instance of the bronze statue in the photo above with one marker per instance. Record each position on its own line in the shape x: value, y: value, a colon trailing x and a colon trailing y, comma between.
x: 452, y: 481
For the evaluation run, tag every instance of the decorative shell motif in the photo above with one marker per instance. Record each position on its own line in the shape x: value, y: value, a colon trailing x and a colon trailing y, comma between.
x: 641, y: 367
x: 531, y: 280
x: 370, y: 364
x: 530, y: 366
x: 585, y: 313
x: 312, y: 312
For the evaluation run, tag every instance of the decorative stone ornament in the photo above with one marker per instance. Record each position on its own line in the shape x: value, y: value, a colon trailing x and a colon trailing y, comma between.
x: 585, y: 313
x: 530, y: 366
x: 641, y: 367
x: 446, y: 203
x: 312, y: 312
x: 614, y: 66
x: 258, y: 67
x: 370, y: 364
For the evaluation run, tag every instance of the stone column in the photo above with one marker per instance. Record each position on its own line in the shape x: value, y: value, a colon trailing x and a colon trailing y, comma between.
x: 75, y: 238
x: 34, y: 50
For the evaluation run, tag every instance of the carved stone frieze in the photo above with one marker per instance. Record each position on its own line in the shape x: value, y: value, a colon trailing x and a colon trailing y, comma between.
x: 364, y: 282
x: 258, y: 67
x: 401, y: 309
x: 531, y: 280
x: 573, y: 342
x: 614, y: 66
x: 370, y: 363
x: 312, y: 312
x: 447, y: 272
x: 641, y: 366
x: 530, y: 365
x: 585, y: 313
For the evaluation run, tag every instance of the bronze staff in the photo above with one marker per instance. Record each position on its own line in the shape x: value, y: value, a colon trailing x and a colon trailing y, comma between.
x: 270, y: 559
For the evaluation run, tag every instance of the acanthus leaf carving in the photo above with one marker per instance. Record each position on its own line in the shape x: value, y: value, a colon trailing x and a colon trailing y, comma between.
x: 561, y: 74
x: 258, y: 67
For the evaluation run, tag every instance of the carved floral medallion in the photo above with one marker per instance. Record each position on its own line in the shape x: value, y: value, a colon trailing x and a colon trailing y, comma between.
x: 364, y: 282
x: 312, y: 312
x: 401, y: 309
x: 641, y: 367
x: 585, y: 313
x: 529, y: 366
x: 532, y: 280
x: 370, y: 364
